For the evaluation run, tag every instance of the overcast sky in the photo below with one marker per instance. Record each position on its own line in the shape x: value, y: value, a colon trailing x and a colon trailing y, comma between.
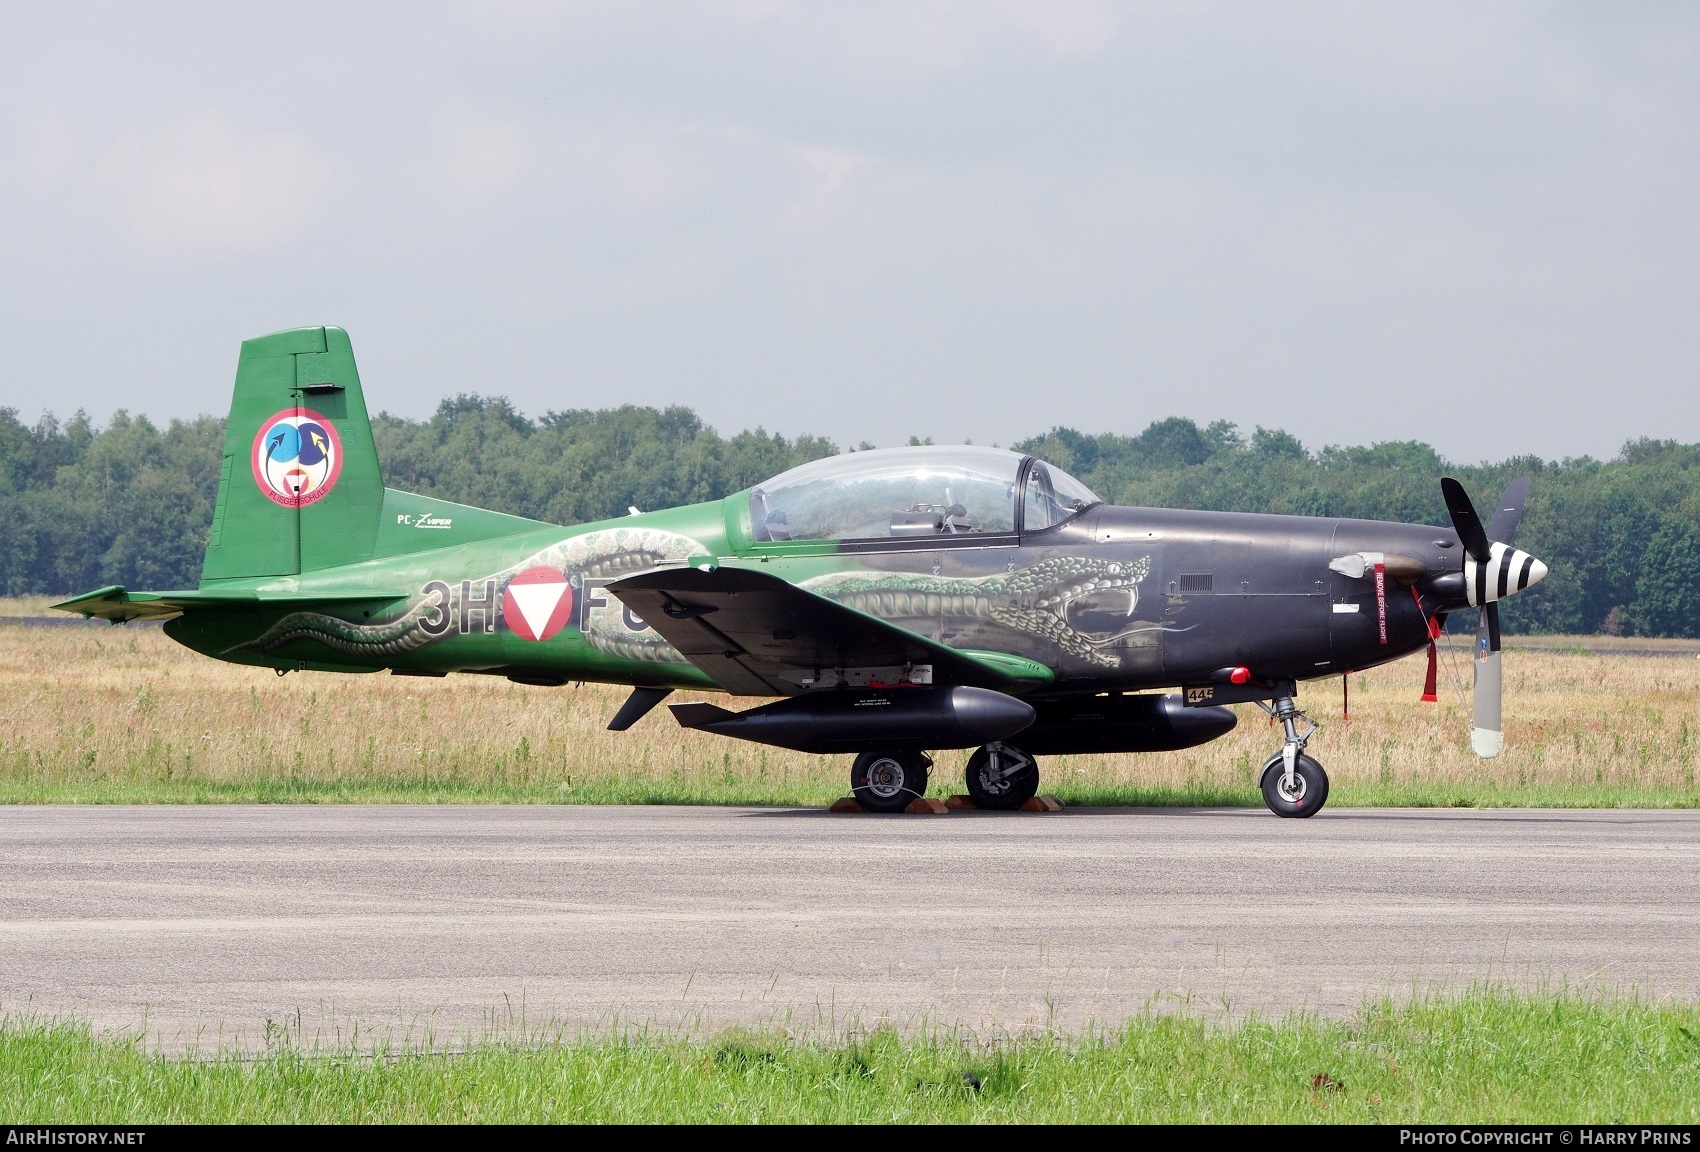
x: 1476, y: 224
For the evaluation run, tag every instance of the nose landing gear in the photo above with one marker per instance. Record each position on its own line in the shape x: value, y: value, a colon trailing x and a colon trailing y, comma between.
x: 1002, y: 777
x: 1294, y: 785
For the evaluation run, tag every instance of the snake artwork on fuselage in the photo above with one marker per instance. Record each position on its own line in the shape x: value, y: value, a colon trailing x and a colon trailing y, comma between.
x: 893, y: 603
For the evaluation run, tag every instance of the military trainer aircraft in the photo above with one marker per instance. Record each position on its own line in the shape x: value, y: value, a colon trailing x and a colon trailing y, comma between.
x: 897, y: 602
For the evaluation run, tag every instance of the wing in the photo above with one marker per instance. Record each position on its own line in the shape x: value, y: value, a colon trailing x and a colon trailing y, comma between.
x: 760, y: 635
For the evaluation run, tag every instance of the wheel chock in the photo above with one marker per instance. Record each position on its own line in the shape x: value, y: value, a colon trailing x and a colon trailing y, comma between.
x: 1034, y: 804
x: 920, y: 806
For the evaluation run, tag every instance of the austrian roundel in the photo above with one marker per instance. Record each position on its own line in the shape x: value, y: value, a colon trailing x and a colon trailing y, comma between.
x: 537, y: 603
x: 297, y: 458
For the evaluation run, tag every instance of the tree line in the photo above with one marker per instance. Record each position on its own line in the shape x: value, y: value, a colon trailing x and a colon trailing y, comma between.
x: 130, y: 503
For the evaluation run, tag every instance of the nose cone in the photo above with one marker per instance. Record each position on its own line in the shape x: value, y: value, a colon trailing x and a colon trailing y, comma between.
x: 1196, y: 725
x: 1507, y: 571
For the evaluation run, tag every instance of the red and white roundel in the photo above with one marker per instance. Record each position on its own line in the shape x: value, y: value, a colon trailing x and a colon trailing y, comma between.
x: 297, y: 457
x: 537, y: 603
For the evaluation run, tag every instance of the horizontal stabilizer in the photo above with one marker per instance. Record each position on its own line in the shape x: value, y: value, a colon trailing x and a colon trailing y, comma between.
x: 116, y: 604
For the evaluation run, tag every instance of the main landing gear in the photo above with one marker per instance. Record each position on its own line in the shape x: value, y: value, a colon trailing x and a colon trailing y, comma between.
x: 1294, y: 785
x: 1000, y: 777
x: 889, y: 781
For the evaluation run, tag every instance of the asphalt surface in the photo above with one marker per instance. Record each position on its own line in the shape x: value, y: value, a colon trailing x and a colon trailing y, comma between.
x: 199, y: 924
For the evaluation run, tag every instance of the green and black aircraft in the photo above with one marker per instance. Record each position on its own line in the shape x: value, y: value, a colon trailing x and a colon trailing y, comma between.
x: 896, y: 602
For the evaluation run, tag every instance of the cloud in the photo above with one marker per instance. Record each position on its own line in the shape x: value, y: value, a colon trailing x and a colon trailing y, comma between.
x: 1170, y: 205
x: 826, y: 172
x: 1067, y: 27
x: 51, y: 154
x: 666, y: 272
x: 913, y: 39
x: 645, y: 170
x: 199, y: 188
x: 483, y: 160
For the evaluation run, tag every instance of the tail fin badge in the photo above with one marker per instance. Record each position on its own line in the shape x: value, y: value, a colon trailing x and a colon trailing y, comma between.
x: 297, y: 457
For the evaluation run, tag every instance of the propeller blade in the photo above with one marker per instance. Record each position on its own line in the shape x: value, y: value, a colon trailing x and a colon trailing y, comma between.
x: 1470, y: 531
x: 1487, y: 735
x: 1503, y: 526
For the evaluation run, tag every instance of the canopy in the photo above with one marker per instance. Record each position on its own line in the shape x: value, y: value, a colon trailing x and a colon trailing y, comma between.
x: 913, y: 492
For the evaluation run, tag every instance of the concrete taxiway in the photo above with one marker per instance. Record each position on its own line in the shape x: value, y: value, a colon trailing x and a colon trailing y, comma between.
x: 205, y: 922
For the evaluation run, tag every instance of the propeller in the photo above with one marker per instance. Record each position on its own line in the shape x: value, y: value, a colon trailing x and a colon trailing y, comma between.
x: 1492, y: 569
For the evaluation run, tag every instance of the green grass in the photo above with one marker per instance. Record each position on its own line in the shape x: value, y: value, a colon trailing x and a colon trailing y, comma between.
x: 1487, y: 1055
x: 1405, y: 794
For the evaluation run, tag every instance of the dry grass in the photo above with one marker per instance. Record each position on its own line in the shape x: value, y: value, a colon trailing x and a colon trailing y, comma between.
x: 1605, y: 645
x: 28, y: 605
x: 124, y: 714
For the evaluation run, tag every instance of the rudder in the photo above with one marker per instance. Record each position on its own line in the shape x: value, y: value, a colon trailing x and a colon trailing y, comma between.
x: 299, y: 488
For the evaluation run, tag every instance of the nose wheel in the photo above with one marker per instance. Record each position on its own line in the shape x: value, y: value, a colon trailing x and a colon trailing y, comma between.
x: 1303, y: 796
x: 1294, y: 784
x: 1002, y: 777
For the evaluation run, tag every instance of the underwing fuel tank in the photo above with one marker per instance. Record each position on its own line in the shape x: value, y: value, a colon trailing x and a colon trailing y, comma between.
x: 857, y: 721
x: 1116, y: 723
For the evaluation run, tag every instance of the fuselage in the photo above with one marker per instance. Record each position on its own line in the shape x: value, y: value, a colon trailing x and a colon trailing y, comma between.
x: 1113, y: 598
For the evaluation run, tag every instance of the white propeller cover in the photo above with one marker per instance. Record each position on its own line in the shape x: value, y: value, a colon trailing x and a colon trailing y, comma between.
x: 1487, y: 727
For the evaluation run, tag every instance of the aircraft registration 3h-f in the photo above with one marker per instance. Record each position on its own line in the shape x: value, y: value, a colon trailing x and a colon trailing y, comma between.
x: 898, y: 602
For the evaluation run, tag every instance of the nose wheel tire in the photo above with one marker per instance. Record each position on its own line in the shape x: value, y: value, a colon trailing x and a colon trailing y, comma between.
x: 889, y: 781
x: 1001, y: 777
x: 1307, y: 794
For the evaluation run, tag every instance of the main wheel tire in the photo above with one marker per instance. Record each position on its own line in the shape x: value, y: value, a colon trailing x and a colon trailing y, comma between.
x: 1005, y: 794
x: 1309, y: 792
x: 889, y: 781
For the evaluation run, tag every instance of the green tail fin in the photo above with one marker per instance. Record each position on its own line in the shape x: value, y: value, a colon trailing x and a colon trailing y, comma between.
x: 300, y: 487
